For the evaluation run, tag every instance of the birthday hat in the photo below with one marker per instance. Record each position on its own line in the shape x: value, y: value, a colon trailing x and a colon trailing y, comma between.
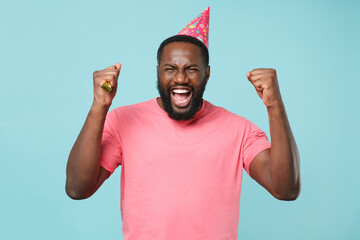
x: 199, y: 27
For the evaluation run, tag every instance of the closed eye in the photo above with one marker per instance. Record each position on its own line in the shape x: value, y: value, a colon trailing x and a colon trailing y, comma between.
x: 193, y: 69
x: 169, y: 67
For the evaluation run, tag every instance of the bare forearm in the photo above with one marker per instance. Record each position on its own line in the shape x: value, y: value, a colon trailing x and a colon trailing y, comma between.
x: 284, y: 157
x: 278, y: 170
x: 83, y: 163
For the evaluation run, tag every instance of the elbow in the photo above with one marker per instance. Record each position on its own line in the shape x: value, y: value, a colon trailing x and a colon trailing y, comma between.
x: 287, y: 197
x: 74, y: 193
x: 290, y: 195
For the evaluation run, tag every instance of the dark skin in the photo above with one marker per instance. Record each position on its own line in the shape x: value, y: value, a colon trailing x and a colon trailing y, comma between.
x: 181, y: 66
x: 84, y: 175
x: 276, y: 169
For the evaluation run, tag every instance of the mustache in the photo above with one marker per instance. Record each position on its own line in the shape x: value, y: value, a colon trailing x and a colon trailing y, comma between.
x: 180, y: 85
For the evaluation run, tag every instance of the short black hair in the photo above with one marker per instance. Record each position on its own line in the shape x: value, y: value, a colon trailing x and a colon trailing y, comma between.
x: 184, y: 38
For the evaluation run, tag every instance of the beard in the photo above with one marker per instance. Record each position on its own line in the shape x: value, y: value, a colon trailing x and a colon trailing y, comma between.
x: 195, y: 104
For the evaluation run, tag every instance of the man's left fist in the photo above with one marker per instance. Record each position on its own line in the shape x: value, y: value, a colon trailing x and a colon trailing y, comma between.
x: 266, y: 85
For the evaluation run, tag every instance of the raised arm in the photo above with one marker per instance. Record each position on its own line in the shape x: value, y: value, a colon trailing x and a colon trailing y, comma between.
x: 276, y: 169
x: 84, y: 175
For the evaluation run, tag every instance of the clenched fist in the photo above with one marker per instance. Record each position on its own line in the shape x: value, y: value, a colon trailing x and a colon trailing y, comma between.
x: 266, y: 84
x: 110, y: 75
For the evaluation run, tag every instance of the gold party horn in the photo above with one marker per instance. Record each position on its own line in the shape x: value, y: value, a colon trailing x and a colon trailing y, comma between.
x: 107, y: 86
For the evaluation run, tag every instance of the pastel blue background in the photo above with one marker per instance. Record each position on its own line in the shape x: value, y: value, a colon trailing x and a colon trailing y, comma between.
x: 49, y: 49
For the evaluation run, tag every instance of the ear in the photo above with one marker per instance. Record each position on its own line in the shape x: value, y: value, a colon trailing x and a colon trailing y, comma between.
x: 207, y: 73
x: 157, y: 70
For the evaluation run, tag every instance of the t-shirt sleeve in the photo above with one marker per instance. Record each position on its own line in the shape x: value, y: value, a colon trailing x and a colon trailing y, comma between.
x: 111, y: 154
x: 255, y: 141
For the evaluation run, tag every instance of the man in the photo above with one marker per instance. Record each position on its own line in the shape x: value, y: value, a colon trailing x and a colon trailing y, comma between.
x: 181, y: 156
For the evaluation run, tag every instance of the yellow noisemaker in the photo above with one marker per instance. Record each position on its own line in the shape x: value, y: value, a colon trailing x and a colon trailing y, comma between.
x: 107, y: 86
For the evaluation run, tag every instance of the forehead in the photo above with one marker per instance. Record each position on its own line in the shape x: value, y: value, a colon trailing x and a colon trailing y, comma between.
x: 181, y: 53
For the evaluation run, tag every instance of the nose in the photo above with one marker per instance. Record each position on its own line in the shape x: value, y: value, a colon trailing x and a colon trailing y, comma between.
x: 181, y: 77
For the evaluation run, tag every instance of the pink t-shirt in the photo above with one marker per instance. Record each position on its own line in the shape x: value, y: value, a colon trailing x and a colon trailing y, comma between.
x: 179, y: 179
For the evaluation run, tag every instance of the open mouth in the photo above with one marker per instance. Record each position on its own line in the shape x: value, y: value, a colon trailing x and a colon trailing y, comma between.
x: 181, y: 97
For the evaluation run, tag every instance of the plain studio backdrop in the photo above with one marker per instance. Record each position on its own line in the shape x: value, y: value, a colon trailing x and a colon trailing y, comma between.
x: 49, y: 50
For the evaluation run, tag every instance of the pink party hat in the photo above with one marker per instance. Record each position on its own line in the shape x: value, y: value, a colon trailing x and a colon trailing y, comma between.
x: 199, y: 27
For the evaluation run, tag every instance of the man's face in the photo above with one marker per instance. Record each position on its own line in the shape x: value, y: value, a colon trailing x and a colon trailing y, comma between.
x: 182, y: 77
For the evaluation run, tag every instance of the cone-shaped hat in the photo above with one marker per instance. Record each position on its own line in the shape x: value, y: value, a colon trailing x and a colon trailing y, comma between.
x: 199, y: 27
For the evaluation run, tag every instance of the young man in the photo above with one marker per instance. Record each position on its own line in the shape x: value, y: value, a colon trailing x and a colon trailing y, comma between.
x: 181, y: 156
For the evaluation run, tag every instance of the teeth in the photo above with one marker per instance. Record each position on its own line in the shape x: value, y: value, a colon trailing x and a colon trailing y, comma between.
x: 181, y: 90
x: 182, y: 101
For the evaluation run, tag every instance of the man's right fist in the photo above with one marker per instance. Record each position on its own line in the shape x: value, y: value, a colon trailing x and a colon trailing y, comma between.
x: 110, y: 75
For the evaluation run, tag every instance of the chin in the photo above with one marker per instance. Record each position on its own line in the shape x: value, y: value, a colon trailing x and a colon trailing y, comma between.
x: 182, y: 113
x: 181, y: 110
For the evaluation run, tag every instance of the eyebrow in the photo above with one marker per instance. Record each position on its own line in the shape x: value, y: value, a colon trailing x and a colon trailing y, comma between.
x: 169, y: 65
x: 191, y: 65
